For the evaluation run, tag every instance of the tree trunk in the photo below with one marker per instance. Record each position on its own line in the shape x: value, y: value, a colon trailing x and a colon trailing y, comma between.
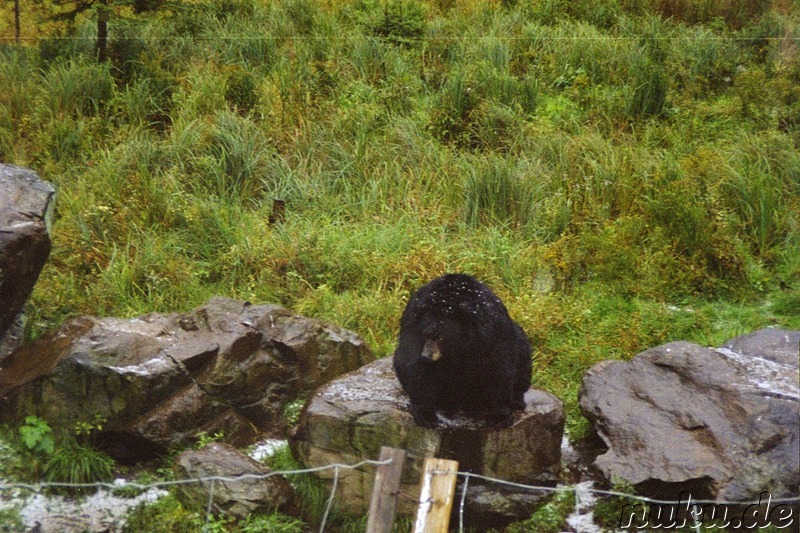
x: 16, y: 21
x: 102, y: 31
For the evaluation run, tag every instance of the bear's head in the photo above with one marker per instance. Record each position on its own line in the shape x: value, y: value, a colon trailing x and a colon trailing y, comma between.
x: 449, y: 337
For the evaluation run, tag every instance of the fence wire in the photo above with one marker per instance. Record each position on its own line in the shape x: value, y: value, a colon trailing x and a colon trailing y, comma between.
x: 436, y: 38
x: 337, y: 467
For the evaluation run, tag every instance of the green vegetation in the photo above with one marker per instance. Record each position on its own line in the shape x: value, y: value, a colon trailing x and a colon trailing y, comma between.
x: 11, y: 521
x: 619, y: 177
x: 32, y: 452
x: 550, y: 517
x: 168, y: 515
x: 165, y: 514
x: 622, y: 173
x: 609, y: 509
x: 314, y: 496
x: 313, y: 492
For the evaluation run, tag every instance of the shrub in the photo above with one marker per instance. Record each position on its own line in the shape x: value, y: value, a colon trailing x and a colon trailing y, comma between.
x: 703, y: 62
x: 68, y: 138
x: 18, y: 69
x: 483, y: 109
x: 11, y: 520
x: 275, y: 523
x: 144, y: 101
x: 77, y: 87
x: 453, y: 112
x: 240, y: 149
x: 164, y: 515
x: 757, y: 189
x: 125, y: 49
x: 607, y: 510
x: 400, y: 21
x: 61, y: 458
x: 649, y: 89
x: 72, y: 462
x: 497, y: 191
x: 786, y: 302
x: 736, y: 13
x: 240, y: 89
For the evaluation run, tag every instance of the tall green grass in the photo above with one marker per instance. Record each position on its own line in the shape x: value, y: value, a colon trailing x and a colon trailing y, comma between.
x: 614, y: 170
x: 77, y: 87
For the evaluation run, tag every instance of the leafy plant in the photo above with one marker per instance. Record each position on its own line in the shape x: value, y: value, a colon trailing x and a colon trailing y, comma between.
x: 143, y: 478
x: 313, y: 494
x: 64, y: 457
x: 453, y: 114
x: 496, y: 190
x: 83, y: 429
x: 204, y: 439
x: 167, y: 515
x: 77, y: 87
x: 37, y: 436
x: 240, y: 89
x: 312, y: 491
x: 292, y: 410
x: 786, y: 302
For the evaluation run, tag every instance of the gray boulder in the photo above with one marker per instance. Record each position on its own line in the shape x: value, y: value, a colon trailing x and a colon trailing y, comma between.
x: 718, y: 423
x: 159, y: 380
x: 244, y: 486
x: 26, y: 206
x: 351, y: 418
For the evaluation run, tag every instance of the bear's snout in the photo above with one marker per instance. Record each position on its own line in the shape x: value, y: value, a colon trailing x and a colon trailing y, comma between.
x: 431, y: 351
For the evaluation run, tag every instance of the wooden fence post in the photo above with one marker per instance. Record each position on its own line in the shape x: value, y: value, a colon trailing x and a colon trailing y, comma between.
x: 384, y: 493
x: 438, y: 486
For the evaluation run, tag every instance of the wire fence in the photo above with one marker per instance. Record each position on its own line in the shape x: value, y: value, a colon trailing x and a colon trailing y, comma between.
x: 337, y: 467
x: 432, y: 38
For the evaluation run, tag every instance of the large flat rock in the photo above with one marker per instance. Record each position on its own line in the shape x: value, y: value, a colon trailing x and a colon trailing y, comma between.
x: 26, y: 206
x: 159, y: 380
x: 248, y: 486
x: 351, y: 418
x: 719, y: 423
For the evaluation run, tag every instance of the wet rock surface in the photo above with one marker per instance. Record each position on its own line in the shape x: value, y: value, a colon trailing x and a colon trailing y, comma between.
x: 26, y: 205
x: 350, y: 419
x: 719, y: 423
x: 159, y: 380
x: 241, y: 485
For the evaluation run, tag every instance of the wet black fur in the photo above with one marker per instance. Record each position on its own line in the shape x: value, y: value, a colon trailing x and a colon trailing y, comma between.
x: 485, y: 364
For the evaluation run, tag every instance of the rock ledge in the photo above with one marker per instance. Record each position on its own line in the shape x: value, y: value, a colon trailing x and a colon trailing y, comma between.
x: 349, y: 420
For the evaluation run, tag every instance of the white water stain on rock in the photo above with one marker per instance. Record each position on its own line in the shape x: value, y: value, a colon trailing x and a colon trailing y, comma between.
x: 266, y: 448
x: 770, y: 377
x: 101, y: 511
x: 582, y: 518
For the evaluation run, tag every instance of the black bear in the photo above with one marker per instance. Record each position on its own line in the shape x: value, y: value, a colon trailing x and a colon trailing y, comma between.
x: 459, y: 350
